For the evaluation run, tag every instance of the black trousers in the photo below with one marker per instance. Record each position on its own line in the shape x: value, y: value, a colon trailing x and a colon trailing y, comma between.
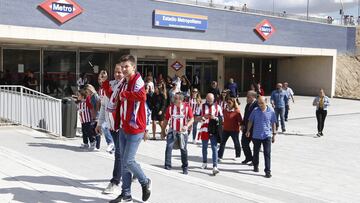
x: 321, y: 116
x: 266, y: 143
x: 235, y: 137
x: 117, y: 161
x: 88, y: 133
x: 245, y: 143
x: 97, y: 136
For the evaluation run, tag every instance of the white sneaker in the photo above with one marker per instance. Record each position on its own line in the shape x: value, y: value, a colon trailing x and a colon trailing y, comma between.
x: 215, y: 171
x: 84, y: 146
x: 220, y: 160
x: 92, y: 146
x: 110, y: 189
x: 237, y: 159
x: 110, y: 147
x: 204, y: 166
x: 96, y: 150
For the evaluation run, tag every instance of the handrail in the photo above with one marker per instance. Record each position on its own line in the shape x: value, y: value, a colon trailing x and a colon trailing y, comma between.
x: 27, y: 107
x: 324, y: 20
x: 30, y: 90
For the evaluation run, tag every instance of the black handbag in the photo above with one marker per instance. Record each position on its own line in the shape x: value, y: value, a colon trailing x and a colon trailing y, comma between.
x: 214, y: 129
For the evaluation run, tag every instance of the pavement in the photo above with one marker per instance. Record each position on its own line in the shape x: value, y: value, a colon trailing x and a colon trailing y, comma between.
x: 36, y: 167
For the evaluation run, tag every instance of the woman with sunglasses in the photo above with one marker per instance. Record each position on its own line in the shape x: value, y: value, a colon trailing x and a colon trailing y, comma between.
x: 195, y: 102
x: 222, y: 99
x: 231, y: 127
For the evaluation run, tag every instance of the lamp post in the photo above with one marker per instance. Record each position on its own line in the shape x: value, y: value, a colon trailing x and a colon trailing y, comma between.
x: 358, y: 8
x: 307, y: 10
x: 273, y: 9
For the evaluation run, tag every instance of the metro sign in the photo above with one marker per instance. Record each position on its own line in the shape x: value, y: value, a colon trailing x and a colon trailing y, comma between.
x: 265, y: 29
x: 61, y: 10
x: 177, y: 65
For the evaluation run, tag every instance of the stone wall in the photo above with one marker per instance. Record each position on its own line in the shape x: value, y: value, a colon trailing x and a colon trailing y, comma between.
x: 348, y: 77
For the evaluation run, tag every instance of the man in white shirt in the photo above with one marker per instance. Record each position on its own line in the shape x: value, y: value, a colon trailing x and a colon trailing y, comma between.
x: 290, y: 94
x: 177, y: 81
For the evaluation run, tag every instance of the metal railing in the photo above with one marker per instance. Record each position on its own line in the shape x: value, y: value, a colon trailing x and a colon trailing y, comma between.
x: 241, y: 8
x: 23, y: 106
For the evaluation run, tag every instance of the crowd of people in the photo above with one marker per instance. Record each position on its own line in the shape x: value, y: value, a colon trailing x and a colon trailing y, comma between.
x: 123, y: 110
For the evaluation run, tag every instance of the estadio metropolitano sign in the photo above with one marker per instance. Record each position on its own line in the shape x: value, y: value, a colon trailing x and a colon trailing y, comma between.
x: 61, y: 10
x: 178, y: 20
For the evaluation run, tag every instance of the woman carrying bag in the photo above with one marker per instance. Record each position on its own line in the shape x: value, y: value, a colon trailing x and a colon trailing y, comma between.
x: 231, y: 127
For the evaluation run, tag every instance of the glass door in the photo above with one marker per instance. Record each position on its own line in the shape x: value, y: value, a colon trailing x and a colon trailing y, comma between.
x: 152, y: 67
x: 59, y: 73
x: 205, y: 70
x: 22, y: 67
x: 251, y: 72
x: 268, y: 75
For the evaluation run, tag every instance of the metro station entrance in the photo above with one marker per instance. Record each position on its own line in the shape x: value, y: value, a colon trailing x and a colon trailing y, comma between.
x: 248, y: 71
x: 206, y: 71
x: 156, y: 67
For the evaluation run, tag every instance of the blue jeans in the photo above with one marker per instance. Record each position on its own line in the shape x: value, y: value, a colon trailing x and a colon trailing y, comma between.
x: 267, y: 153
x: 117, y: 162
x: 280, y: 112
x: 205, y: 144
x: 194, y: 130
x: 129, y: 145
x: 169, y: 147
x: 108, y: 137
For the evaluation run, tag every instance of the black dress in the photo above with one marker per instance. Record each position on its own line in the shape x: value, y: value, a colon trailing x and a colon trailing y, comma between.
x: 158, y: 102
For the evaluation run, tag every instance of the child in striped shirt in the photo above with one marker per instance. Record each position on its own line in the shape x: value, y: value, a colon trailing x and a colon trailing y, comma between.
x: 85, y: 119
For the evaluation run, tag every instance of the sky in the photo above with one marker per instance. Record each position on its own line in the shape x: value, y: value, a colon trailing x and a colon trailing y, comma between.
x: 316, y: 7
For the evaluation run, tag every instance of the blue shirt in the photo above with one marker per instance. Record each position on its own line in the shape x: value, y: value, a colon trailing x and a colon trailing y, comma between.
x: 280, y: 98
x: 233, y: 89
x: 262, y: 122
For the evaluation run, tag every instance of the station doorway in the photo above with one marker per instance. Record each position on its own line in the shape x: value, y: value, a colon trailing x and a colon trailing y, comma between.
x: 155, y: 67
x: 206, y: 71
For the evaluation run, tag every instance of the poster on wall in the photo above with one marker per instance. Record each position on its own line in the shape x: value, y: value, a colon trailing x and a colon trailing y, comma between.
x: 20, y: 68
x: 96, y: 69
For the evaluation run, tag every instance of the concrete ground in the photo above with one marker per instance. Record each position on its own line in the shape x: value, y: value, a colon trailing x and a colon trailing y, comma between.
x: 35, y: 167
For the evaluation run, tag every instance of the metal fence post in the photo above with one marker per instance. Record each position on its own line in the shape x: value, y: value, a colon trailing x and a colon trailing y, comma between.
x: 21, y: 106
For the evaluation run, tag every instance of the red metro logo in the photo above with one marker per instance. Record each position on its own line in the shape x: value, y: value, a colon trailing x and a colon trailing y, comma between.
x: 61, y: 10
x: 265, y: 29
x: 177, y: 65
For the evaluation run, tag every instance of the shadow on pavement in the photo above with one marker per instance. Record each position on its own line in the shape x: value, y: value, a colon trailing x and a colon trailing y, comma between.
x: 58, y: 146
x: 36, y: 196
x: 56, y: 180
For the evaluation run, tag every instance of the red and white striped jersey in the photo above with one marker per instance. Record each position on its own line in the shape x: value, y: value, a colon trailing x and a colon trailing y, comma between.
x: 194, y: 105
x: 222, y: 104
x: 206, y: 109
x: 101, y: 92
x: 178, y: 116
x: 113, y: 106
x: 84, y: 112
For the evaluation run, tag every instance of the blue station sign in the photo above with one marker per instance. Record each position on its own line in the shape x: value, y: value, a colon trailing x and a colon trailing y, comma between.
x: 180, y: 20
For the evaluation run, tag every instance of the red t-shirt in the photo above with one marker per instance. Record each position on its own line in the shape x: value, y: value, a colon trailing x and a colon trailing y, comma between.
x: 232, y: 120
